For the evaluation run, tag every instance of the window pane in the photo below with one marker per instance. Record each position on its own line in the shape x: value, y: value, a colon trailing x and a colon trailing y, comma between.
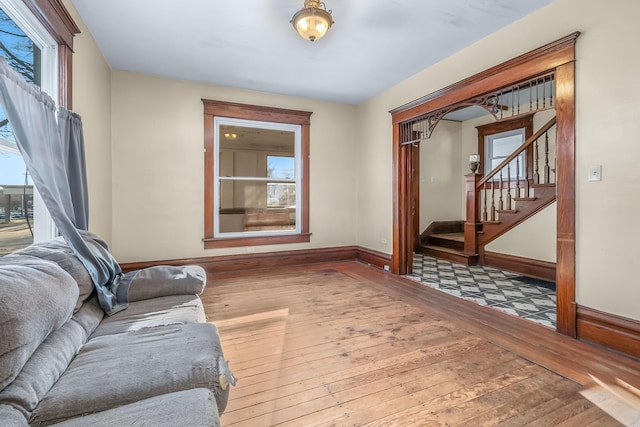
x: 246, y: 208
x: 281, y: 195
x: 503, y: 147
x: 244, y: 151
x: 16, y: 188
x: 281, y: 167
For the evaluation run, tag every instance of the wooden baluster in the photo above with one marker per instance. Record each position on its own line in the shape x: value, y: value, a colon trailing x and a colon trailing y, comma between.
x: 551, y: 80
x: 537, y: 94
x: 508, y: 187
x: 547, y: 175
x: 518, y: 176
x: 493, y: 206
x: 518, y: 92
x: 500, y: 205
x: 536, y: 162
x: 544, y: 91
x: 484, y: 204
x: 530, y: 95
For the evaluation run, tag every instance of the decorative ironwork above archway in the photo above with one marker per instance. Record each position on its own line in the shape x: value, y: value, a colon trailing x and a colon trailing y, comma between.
x: 525, y: 97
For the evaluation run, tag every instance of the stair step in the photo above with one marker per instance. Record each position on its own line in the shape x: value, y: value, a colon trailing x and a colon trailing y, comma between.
x: 458, y: 237
x: 507, y: 211
x: 524, y: 199
x: 449, y: 254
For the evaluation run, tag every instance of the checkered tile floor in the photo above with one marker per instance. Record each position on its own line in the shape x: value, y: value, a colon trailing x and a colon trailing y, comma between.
x: 488, y: 286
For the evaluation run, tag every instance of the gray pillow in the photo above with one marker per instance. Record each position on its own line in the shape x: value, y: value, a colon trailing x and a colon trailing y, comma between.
x: 36, y: 298
x: 58, y: 251
x: 165, y: 280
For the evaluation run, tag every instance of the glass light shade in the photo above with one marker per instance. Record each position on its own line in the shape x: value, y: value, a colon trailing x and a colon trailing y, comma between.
x: 312, y: 23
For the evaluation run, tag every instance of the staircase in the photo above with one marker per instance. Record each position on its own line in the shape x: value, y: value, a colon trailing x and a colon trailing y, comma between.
x: 496, y: 203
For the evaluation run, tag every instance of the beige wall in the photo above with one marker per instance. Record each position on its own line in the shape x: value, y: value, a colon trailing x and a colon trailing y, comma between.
x: 440, y: 172
x: 607, y: 129
x: 92, y: 100
x: 158, y: 167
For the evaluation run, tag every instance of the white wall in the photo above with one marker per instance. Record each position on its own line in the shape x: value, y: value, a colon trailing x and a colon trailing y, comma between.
x: 607, y: 129
x: 158, y: 167
x: 92, y: 100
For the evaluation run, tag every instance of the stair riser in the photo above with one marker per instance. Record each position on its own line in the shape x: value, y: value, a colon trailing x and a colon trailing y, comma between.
x: 446, y: 243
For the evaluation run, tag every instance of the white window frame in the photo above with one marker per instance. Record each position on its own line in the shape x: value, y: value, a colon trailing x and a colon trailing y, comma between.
x: 297, y: 131
x: 44, y: 228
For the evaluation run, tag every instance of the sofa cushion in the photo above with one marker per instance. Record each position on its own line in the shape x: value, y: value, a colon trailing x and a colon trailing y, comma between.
x: 51, y: 359
x: 11, y: 417
x: 115, y: 370
x: 36, y: 298
x: 57, y: 250
x: 163, y: 311
x: 193, y: 408
x: 164, y: 280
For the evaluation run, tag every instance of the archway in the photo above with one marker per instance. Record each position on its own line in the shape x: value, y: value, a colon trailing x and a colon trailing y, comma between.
x: 557, y: 58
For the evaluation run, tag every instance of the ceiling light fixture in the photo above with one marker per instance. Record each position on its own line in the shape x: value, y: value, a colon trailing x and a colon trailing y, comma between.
x: 312, y: 21
x: 230, y: 136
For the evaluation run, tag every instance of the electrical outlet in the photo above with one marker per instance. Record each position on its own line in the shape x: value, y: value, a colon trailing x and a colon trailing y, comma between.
x: 386, y: 268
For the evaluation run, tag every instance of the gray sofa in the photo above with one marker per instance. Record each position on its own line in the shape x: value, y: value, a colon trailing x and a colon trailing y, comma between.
x: 63, y: 363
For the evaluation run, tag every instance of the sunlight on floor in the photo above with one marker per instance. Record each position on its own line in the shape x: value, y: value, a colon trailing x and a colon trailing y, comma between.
x: 619, y: 400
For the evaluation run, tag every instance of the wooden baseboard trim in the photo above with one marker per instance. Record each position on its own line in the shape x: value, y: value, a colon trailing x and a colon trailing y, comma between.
x: 375, y: 258
x: 616, y: 332
x: 260, y: 261
x: 529, y: 267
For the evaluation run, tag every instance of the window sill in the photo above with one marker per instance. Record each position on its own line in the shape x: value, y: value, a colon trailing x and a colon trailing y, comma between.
x: 212, y: 242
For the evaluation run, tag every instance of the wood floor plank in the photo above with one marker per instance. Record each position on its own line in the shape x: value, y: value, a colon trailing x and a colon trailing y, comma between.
x: 343, y: 344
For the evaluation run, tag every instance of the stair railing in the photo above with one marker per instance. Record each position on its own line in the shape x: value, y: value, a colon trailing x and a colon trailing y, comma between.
x: 482, y: 191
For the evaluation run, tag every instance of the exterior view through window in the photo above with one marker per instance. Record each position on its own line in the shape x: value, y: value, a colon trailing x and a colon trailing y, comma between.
x: 16, y: 187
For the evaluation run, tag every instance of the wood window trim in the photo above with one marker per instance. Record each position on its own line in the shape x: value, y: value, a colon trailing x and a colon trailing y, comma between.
x: 212, y: 109
x: 557, y: 56
x: 505, y: 125
x: 58, y: 22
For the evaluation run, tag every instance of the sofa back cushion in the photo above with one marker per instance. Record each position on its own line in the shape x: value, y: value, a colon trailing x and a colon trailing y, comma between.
x: 58, y: 251
x: 36, y: 298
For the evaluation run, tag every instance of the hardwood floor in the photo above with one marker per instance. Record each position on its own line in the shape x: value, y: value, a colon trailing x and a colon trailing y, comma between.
x: 344, y: 344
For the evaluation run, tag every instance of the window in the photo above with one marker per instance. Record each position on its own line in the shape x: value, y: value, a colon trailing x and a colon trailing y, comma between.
x: 30, y: 50
x: 499, y: 146
x: 496, y: 142
x: 256, y: 175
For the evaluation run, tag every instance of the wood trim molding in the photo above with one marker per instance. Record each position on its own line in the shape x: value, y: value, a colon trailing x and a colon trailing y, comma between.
x: 375, y: 258
x: 544, y: 270
x: 615, y: 332
x: 267, y: 260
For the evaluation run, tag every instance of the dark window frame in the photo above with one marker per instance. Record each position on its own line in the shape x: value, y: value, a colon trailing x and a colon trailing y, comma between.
x: 214, y: 109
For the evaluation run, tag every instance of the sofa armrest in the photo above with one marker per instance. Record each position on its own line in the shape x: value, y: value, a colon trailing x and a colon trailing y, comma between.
x: 166, y: 280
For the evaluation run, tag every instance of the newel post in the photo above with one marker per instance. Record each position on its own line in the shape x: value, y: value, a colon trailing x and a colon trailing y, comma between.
x: 472, y: 224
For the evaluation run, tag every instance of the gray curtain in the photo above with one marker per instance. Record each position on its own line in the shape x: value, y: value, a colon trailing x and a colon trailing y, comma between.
x: 72, y: 140
x: 32, y: 115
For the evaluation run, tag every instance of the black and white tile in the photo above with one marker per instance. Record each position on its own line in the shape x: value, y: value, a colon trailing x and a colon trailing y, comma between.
x: 502, y: 290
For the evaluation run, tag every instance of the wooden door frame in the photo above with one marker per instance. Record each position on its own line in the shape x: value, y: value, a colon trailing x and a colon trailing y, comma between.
x: 557, y: 57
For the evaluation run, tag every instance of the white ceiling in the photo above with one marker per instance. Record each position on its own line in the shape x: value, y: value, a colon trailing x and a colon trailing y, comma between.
x: 373, y: 45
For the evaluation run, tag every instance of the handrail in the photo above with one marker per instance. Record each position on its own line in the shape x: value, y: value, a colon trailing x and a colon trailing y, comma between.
x: 515, y: 154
